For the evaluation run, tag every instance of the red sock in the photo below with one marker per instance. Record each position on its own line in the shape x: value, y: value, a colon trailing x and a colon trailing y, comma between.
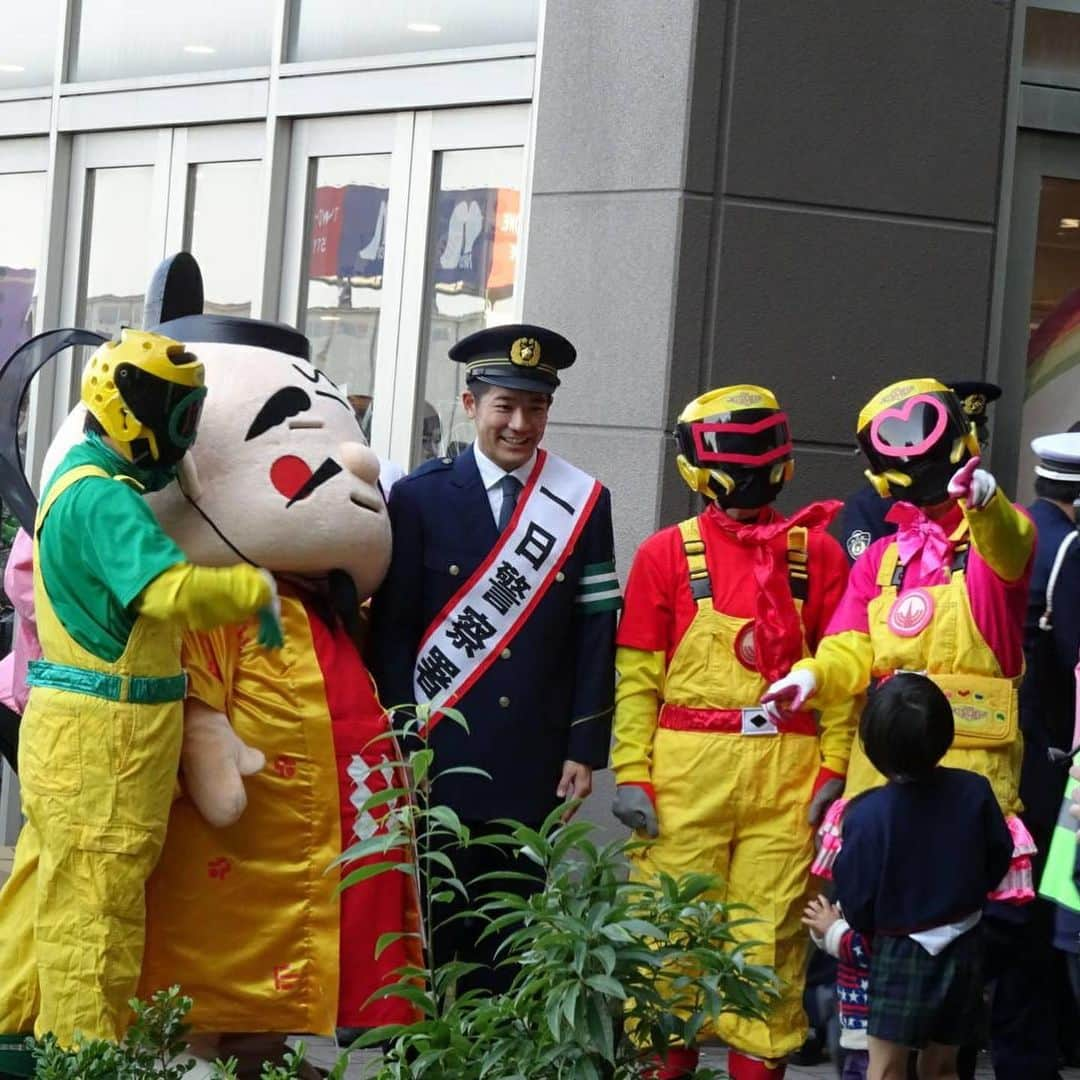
x: 678, y: 1063
x: 743, y: 1067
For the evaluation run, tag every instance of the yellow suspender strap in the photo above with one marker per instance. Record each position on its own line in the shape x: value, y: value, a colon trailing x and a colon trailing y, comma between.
x: 694, y: 549
x: 72, y: 476
x: 798, y: 565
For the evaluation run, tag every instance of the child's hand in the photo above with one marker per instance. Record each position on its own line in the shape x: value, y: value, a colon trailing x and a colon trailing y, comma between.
x: 820, y: 915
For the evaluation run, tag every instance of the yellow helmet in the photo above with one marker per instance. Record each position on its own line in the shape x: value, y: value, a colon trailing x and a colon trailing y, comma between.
x: 735, y: 446
x: 146, y: 393
x: 915, y: 434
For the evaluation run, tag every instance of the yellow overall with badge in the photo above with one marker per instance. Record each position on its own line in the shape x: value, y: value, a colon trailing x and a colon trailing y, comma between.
x: 952, y: 651
x: 734, y: 802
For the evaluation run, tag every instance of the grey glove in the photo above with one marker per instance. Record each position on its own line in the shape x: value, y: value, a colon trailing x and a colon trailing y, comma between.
x: 634, y: 808
x: 828, y: 793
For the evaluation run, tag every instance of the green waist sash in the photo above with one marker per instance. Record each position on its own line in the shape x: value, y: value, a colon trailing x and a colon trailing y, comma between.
x: 139, y: 689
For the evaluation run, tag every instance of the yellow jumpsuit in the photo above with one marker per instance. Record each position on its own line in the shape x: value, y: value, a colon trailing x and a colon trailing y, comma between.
x: 729, y: 801
x: 98, y: 761
x: 970, y: 643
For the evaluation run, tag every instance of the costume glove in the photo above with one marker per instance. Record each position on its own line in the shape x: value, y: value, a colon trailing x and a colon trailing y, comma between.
x: 271, y: 635
x: 214, y: 761
x: 828, y: 787
x: 974, y: 485
x: 789, y: 694
x: 635, y: 808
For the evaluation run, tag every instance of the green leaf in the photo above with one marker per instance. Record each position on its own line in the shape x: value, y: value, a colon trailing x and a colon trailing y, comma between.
x: 605, y: 984
x: 369, y: 871
x: 384, y: 941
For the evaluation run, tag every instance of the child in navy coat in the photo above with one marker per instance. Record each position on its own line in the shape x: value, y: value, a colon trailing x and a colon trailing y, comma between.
x: 919, y: 856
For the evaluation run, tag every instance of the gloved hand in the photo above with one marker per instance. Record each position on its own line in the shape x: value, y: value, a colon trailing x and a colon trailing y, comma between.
x: 634, y: 807
x: 214, y: 760
x: 974, y: 485
x: 828, y: 788
x: 789, y: 694
x: 271, y: 635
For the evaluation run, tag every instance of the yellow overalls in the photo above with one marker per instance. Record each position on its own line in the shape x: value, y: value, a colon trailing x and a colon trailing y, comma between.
x: 952, y: 651
x: 732, y: 795
x: 98, y: 756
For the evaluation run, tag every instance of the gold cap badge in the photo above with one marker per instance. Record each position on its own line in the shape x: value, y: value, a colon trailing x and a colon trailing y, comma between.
x: 525, y: 352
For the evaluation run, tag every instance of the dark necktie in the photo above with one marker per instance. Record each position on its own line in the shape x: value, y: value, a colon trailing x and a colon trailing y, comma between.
x: 510, y: 485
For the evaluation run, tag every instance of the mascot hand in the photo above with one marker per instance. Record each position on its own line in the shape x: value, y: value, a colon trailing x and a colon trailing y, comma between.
x: 215, y: 761
x: 271, y: 635
x: 789, y: 694
x: 974, y: 485
x: 635, y: 808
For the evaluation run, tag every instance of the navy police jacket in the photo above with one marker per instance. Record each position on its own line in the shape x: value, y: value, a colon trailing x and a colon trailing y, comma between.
x: 862, y: 521
x: 550, y: 695
x: 1048, y: 692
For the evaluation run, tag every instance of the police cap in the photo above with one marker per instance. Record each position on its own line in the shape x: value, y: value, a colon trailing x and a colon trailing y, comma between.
x: 1059, y: 456
x: 974, y: 397
x: 518, y: 356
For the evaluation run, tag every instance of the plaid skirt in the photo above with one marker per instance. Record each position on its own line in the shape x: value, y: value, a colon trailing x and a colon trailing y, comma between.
x: 916, y: 998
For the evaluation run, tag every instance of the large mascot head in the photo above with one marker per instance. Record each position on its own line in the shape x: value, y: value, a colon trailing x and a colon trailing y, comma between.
x: 280, y: 475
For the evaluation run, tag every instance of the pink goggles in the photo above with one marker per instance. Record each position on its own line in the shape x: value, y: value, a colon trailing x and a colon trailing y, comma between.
x: 901, y: 431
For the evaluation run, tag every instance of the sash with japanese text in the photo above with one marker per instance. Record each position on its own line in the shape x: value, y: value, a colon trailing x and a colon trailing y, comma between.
x: 485, y: 614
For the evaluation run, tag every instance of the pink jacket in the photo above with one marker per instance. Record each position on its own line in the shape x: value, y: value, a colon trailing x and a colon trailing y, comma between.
x: 19, y: 586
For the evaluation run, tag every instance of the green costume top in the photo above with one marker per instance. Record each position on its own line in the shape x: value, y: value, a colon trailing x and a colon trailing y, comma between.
x: 100, y: 546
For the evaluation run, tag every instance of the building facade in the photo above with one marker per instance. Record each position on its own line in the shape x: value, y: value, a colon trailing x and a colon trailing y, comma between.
x: 819, y: 196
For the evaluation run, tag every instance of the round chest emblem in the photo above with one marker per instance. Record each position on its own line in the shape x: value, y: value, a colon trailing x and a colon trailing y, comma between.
x: 857, y: 543
x: 911, y: 613
x: 745, y: 652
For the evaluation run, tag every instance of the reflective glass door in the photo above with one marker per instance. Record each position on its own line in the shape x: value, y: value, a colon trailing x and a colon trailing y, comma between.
x: 1040, y: 363
x: 402, y: 237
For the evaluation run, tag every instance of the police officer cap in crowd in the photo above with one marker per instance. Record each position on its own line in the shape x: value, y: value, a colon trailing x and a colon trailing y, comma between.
x: 974, y: 398
x: 518, y: 356
x: 1059, y: 456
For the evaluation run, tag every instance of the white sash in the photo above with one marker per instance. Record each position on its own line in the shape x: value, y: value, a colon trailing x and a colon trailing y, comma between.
x: 483, y: 616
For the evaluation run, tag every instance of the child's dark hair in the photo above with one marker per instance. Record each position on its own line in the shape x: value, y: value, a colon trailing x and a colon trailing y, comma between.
x: 906, y: 727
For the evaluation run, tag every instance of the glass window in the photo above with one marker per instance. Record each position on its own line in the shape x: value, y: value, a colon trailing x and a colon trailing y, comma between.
x: 22, y: 225
x: 320, y: 33
x: 223, y: 232
x: 1052, y: 47
x: 470, y: 277
x: 118, y: 39
x: 341, y: 295
x: 1052, y: 392
x: 27, y: 44
x: 117, y: 263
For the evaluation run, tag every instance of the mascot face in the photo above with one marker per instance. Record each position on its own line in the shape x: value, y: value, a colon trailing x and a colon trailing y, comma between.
x: 282, y: 475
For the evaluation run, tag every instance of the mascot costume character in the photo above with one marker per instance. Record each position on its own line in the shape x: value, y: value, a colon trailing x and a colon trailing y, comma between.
x: 717, y: 607
x: 101, y: 736
x: 282, y: 749
x: 945, y: 596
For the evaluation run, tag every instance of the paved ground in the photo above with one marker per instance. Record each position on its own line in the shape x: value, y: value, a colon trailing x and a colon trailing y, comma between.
x: 322, y: 1052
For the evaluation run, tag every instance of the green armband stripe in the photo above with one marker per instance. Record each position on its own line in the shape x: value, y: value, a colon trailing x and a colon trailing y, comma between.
x: 1057, y: 880
x: 611, y: 602
x: 600, y: 584
x: 597, y: 568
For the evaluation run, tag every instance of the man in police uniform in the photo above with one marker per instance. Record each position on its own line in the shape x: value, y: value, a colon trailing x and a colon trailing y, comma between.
x: 501, y: 601
x: 1025, y: 1005
x: 863, y: 518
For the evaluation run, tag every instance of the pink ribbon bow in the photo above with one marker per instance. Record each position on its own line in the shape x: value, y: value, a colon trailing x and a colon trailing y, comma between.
x: 918, y: 536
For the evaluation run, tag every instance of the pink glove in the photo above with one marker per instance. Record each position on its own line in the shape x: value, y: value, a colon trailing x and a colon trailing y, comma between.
x: 974, y: 485
x: 789, y: 694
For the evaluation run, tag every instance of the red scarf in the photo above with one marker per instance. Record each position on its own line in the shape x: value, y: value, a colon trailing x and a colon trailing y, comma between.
x: 778, y: 632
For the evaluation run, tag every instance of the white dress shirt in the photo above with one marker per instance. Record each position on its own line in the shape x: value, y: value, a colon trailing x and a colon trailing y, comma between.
x: 491, y: 476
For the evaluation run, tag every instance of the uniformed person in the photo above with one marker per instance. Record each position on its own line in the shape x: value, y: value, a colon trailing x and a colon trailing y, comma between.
x: 501, y: 601
x: 1025, y: 1006
x: 863, y: 518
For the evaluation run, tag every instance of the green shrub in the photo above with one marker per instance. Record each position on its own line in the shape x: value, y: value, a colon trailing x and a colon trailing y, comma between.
x: 596, y: 956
